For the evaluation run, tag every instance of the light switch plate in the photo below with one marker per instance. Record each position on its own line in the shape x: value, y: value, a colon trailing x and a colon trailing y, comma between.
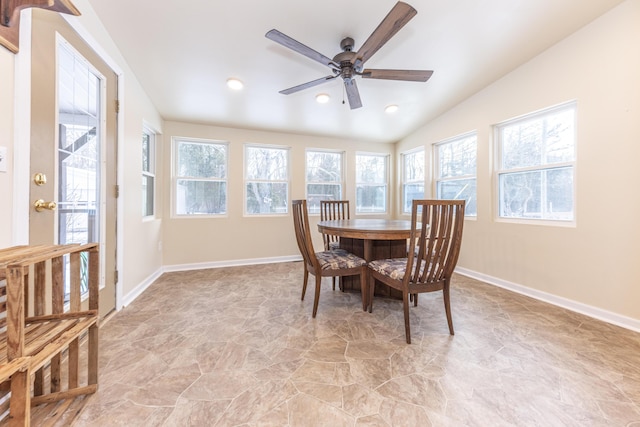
x: 3, y: 159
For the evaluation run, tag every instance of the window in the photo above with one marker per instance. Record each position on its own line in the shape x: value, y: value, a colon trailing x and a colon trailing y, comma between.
x: 200, y: 177
x: 266, y: 171
x: 412, y: 178
x: 148, y: 172
x: 371, y: 183
x: 536, y: 155
x: 455, y: 171
x: 324, y: 177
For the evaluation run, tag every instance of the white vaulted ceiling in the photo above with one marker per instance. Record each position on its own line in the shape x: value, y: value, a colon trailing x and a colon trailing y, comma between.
x: 183, y: 53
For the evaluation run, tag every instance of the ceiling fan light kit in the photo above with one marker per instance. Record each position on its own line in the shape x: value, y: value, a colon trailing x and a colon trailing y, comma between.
x: 348, y: 64
x: 390, y: 109
x: 322, y: 98
x: 235, y: 84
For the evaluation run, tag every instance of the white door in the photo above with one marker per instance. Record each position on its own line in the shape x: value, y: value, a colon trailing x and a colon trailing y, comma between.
x: 73, y: 145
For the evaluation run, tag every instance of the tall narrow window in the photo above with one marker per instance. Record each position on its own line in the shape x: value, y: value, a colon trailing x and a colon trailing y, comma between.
x: 412, y: 178
x: 455, y: 171
x: 324, y: 177
x: 200, y: 177
x: 371, y: 183
x: 79, y: 152
x: 148, y: 172
x: 535, y: 168
x: 266, y: 171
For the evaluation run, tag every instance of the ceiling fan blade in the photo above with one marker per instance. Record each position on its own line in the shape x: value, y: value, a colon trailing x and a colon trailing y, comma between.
x: 352, y: 94
x: 295, y: 45
x: 306, y: 85
x: 408, y: 75
x: 390, y: 25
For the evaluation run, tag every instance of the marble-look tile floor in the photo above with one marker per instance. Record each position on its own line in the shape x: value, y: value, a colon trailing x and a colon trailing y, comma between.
x: 237, y: 347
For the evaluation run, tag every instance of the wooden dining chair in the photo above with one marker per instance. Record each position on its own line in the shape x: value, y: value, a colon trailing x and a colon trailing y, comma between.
x: 436, y: 236
x: 332, y: 263
x: 330, y: 210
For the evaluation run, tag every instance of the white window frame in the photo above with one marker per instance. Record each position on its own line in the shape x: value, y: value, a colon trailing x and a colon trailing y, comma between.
x: 286, y: 181
x: 340, y: 182
x: 406, y: 181
x: 437, y: 173
x: 175, y: 177
x: 499, y: 170
x: 385, y: 184
x: 150, y: 174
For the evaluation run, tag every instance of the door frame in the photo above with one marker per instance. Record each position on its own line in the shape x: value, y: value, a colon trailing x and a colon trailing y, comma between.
x: 22, y: 132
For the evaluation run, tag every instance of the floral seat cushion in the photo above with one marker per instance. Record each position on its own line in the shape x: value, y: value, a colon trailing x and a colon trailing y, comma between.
x: 338, y: 259
x: 395, y: 268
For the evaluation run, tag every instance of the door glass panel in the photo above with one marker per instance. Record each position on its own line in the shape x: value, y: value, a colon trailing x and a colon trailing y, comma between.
x: 78, y: 150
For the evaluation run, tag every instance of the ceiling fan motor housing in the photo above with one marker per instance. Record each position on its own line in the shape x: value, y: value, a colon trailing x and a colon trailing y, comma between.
x: 346, y: 44
x: 345, y: 59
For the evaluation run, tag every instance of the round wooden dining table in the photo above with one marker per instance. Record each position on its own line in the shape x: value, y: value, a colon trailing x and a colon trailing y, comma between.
x: 370, y: 239
x: 369, y: 231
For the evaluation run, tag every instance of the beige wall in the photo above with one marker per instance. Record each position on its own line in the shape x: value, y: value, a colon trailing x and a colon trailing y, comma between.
x: 6, y: 140
x: 235, y: 236
x: 595, y: 262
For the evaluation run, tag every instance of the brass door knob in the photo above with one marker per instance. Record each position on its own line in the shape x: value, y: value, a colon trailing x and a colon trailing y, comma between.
x: 40, y: 179
x: 41, y: 205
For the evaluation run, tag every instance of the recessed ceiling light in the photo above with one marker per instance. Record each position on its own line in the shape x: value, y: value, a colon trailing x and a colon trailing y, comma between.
x: 322, y: 98
x: 235, y: 84
x: 390, y: 109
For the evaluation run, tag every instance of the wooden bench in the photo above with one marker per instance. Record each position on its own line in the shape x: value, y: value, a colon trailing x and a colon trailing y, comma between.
x: 38, y: 325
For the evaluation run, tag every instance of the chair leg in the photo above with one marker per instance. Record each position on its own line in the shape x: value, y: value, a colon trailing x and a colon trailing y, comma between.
x: 334, y: 282
x: 447, y: 307
x: 371, y: 288
x: 304, y: 284
x: 415, y: 300
x: 364, y: 288
x: 405, y: 305
x: 317, y: 297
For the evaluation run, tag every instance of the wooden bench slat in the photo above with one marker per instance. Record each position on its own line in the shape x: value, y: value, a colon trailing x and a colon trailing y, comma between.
x: 61, y: 316
x: 55, y: 330
x: 38, y: 360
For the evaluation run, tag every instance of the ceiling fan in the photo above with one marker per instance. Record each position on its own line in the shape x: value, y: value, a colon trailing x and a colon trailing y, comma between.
x: 349, y: 64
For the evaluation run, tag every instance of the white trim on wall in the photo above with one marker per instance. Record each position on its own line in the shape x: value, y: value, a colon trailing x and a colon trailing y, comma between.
x: 140, y: 288
x: 231, y: 263
x: 22, y: 133
x: 587, y: 310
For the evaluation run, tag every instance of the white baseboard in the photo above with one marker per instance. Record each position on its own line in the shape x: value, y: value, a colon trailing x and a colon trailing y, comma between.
x: 230, y: 263
x: 138, y: 290
x: 587, y: 310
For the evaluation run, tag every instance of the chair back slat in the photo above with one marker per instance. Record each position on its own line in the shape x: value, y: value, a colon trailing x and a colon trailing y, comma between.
x: 332, y: 210
x: 437, y: 233
x: 303, y: 234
